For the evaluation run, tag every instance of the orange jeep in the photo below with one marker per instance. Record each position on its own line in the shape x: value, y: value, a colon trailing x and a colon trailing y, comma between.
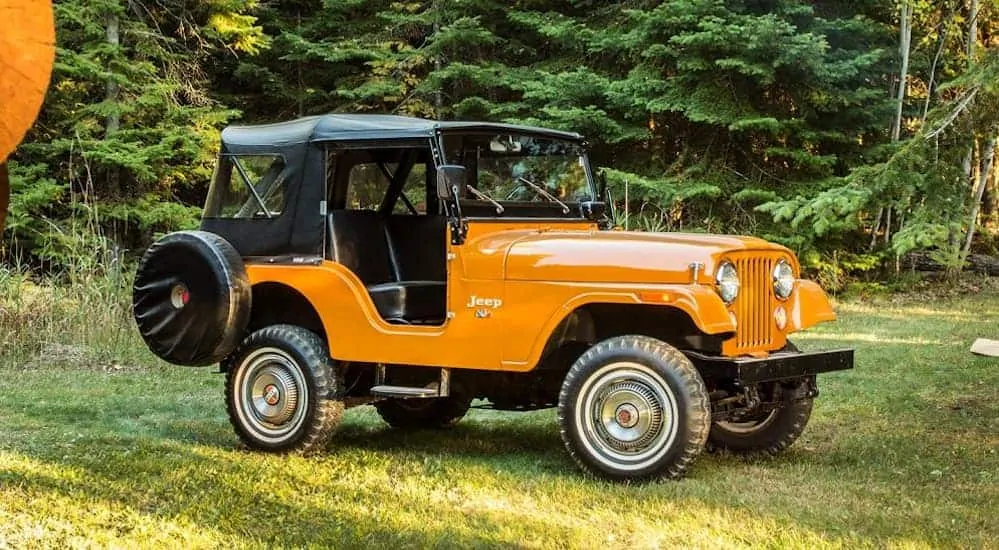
x: 417, y: 265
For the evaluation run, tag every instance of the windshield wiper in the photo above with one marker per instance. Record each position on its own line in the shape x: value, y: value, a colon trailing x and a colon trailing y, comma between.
x: 484, y: 197
x: 544, y: 193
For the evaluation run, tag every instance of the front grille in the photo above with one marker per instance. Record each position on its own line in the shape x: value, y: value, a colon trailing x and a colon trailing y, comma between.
x: 755, y: 305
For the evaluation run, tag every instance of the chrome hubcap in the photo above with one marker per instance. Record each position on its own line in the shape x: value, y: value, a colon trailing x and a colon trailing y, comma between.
x: 179, y: 296
x: 627, y: 415
x: 630, y: 415
x: 271, y: 393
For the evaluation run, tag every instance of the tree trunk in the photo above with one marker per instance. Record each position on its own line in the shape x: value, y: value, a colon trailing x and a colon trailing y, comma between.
x: 874, y: 229
x: 970, y: 50
x: 988, y: 156
x: 972, y: 31
x: 904, y: 48
x: 989, y: 203
x: 888, y: 226
x: 977, y: 263
x: 301, y: 77
x: 113, y: 121
x: 931, y: 83
x: 905, y: 40
x: 438, y: 98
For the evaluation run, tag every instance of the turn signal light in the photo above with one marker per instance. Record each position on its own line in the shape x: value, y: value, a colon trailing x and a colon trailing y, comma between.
x: 655, y: 297
x: 780, y: 317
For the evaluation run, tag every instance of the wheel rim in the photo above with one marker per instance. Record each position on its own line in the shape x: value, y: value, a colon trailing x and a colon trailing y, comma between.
x: 627, y: 416
x: 749, y: 426
x: 272, y: 395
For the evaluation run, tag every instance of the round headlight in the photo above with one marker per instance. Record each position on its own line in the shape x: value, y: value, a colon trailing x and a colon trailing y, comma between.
x: 727, y: 280
x: 783, y: 280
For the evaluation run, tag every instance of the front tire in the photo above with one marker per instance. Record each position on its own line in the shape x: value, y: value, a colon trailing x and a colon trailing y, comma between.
x: 633, y: 408
x: 282, y: 391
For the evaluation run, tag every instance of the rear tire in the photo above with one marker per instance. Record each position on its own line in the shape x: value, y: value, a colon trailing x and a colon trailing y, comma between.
x: 282, y: 391
x: 769, y: 435
x: 633, y: 408
x: 765, y: 436
x: 417, y: 414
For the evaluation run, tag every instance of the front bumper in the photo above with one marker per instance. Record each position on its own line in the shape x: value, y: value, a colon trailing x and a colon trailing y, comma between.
x: 778, y: 366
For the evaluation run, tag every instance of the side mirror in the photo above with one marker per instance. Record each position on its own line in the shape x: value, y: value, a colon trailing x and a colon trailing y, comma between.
x: 451, y: 180
x: 602, y: 188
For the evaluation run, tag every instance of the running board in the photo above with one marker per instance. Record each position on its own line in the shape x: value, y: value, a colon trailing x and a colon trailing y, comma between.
x: 404, y: 392
x: 437, y: 389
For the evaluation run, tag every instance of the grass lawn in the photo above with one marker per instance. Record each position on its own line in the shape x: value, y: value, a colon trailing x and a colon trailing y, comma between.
x: 116, y: 449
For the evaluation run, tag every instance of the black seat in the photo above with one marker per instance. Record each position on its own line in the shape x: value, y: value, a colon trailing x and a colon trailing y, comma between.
x: 360, y: 240
x: 418, y: 247
x: 410, y: 301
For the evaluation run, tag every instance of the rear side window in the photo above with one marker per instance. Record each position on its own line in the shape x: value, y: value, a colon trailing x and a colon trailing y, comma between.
x: 247, y: 186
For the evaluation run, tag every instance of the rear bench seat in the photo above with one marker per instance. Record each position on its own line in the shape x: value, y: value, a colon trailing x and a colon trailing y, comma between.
x: 401, y: 260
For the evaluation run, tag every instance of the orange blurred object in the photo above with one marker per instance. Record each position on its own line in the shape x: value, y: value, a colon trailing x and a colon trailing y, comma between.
x: 27, y: 50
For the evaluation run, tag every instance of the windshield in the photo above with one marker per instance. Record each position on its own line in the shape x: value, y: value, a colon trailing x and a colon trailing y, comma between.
x: 526, y: 174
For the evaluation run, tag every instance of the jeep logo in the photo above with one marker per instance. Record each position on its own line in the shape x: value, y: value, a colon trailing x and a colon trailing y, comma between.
x: 475, y: 301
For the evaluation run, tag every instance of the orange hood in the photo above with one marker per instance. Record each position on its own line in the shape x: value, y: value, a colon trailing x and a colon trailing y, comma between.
x: 604, y: 256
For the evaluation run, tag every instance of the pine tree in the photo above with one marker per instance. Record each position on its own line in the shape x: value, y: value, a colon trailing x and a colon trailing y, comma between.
x: 129, y: 123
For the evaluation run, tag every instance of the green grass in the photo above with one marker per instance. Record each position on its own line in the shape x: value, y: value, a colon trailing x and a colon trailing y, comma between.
x: 103, y: 446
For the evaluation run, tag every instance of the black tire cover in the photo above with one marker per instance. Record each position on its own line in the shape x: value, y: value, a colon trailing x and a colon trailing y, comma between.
x: 191, y: 298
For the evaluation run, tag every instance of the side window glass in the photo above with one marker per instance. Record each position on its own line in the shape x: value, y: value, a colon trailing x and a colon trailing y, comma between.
x: 414, y: 192
x: 367, y: 186
x: 248, y: 186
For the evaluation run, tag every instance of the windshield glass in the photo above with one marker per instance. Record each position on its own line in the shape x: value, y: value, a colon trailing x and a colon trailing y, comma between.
x: 522, y: 170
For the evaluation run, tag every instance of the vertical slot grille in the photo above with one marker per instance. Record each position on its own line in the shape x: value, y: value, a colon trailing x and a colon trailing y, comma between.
x: 755, y: 304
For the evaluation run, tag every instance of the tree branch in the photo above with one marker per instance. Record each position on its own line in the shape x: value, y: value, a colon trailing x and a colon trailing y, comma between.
x: 961, y: 107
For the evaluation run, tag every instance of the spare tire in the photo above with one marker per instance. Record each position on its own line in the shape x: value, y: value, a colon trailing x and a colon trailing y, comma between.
x: 191, y: 298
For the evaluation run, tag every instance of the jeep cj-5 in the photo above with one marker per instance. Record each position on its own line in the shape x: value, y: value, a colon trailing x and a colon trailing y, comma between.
x: 416, y: 265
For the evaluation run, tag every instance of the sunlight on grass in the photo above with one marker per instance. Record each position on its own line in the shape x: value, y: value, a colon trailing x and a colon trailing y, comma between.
x: 873, y: 338
x: 901, y: 452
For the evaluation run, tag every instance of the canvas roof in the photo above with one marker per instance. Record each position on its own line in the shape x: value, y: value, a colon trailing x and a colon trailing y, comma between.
x: 355, y: 127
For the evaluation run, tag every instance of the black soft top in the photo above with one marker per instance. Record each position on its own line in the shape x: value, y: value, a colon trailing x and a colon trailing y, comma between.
x: 355, y: 127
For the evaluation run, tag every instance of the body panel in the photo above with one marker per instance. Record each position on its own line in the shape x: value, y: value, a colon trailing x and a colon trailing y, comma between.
x: 808, y: 306
x: 498, y: 322
x: 622, y: 256
x: 532, y: 310
x: 474, y: 336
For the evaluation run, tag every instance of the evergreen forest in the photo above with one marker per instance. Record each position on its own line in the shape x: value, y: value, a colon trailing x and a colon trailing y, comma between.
x: 855, y: 132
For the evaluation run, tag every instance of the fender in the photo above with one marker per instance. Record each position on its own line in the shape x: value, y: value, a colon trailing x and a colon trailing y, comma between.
x: 701, y: 303
x: 808, y: 306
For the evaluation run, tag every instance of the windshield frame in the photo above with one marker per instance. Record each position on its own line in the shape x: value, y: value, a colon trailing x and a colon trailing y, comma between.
x: 477, y: 209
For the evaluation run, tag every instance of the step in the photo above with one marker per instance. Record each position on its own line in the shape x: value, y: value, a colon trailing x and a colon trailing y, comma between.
x: 404, y: 391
